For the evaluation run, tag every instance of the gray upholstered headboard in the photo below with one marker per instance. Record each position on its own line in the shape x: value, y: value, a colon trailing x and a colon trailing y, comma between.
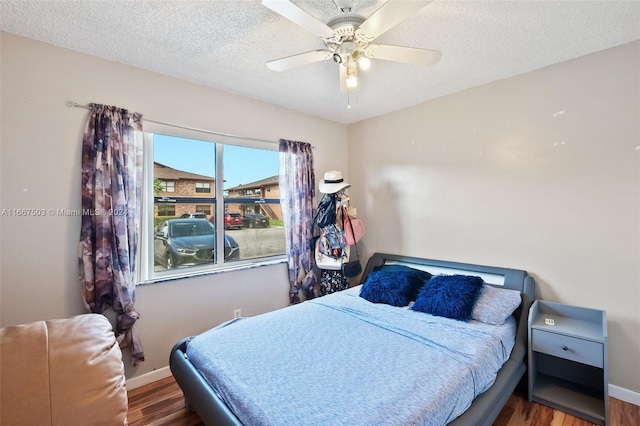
x: 499, y: 277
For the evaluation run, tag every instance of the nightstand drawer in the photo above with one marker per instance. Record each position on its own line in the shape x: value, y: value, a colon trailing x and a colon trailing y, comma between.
x: 571, y: 348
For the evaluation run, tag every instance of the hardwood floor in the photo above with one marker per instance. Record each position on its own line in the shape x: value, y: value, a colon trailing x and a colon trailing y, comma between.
x: 161, y: 404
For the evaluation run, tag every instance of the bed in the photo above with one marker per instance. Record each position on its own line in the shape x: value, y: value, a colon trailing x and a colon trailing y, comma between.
x: 341, y: 359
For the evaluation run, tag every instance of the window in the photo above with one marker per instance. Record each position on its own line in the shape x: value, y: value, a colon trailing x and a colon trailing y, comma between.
x: 167, y: 186
x: 203, y: 187
x: 206, y: 209
x: 165, y: 210
x: 189, y: 244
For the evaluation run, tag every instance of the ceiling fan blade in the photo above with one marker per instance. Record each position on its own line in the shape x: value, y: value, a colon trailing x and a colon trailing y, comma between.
x: 389, y: 15
x: 289, y: 62
x: 298, y: 16
x: 410, y: 55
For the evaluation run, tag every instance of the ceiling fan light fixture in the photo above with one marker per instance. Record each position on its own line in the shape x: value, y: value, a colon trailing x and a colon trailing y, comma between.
x: 352, y: 73
x: 352, y: 81
x: 364, y: 63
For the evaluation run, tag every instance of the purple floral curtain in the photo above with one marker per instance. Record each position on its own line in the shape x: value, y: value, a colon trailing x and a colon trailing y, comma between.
x: 111, y: 181
x: 297, y: 189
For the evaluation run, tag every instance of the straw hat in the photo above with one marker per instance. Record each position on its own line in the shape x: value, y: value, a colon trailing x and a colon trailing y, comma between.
x: 333, y: 182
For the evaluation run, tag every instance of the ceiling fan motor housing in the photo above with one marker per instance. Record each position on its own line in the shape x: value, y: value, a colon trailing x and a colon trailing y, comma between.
x: 344, y: 51
x: 344, y: 28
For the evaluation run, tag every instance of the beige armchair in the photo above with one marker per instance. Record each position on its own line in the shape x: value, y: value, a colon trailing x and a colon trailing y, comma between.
x: 62, y: 372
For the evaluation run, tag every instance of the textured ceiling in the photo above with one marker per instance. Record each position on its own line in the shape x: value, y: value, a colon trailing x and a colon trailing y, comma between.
x: 225, y: 44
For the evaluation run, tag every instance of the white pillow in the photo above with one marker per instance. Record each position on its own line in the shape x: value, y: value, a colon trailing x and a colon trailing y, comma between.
x: 495, y: 305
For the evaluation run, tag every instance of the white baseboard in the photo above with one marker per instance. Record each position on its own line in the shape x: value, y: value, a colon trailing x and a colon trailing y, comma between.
x: 625, y: 395
x: 146, y: 378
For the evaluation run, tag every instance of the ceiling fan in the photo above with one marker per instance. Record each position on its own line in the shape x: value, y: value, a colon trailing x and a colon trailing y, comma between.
x: 348, y: 38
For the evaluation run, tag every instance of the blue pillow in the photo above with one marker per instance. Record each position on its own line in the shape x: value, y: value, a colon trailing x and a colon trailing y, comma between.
x: 395, y: 285
x: 451, y: 296
x: 422, y: 275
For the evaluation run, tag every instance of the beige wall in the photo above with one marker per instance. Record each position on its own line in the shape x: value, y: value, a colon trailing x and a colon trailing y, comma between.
x: 40, y: 168
x: 540, y: 171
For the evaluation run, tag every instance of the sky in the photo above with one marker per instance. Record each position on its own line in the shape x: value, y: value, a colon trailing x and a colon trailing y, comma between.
x: 241, y: 165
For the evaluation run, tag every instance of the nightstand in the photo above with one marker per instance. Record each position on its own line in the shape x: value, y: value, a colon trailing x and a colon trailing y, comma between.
x: 568, y: 359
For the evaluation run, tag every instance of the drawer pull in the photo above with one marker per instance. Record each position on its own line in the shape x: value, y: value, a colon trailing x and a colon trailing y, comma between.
x: 565, y: 348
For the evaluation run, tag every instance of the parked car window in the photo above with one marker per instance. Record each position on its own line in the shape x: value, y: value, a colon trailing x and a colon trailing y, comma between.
x: 192, y: 199
x: 194, y: 215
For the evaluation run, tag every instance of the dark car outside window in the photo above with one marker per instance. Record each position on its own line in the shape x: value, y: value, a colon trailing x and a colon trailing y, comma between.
x: 186, y: 242
x: 256, y: 220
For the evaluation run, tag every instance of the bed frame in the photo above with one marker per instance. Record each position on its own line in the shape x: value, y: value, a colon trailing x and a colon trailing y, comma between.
x: 199, y: 396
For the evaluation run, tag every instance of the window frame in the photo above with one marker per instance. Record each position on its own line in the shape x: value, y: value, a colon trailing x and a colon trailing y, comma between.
x: 165, y: 186
x: 167, y: 205
x: 145, y: 272
x: 203, y: 208
x: 205, y: 188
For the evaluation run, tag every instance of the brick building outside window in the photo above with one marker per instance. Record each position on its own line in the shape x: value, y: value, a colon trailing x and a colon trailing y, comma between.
x: 182, y: 192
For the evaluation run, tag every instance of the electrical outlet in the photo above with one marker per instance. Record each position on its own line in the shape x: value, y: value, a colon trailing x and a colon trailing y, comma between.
x: 237, y: 313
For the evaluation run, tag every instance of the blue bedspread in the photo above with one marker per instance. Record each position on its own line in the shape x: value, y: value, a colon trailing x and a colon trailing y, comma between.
x: 341, y: 360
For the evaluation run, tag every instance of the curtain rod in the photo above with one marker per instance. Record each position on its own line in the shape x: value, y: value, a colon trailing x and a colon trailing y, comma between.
x: 211, y: 132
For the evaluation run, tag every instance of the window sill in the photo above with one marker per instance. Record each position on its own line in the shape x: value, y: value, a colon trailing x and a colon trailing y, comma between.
x: 192, y: 272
